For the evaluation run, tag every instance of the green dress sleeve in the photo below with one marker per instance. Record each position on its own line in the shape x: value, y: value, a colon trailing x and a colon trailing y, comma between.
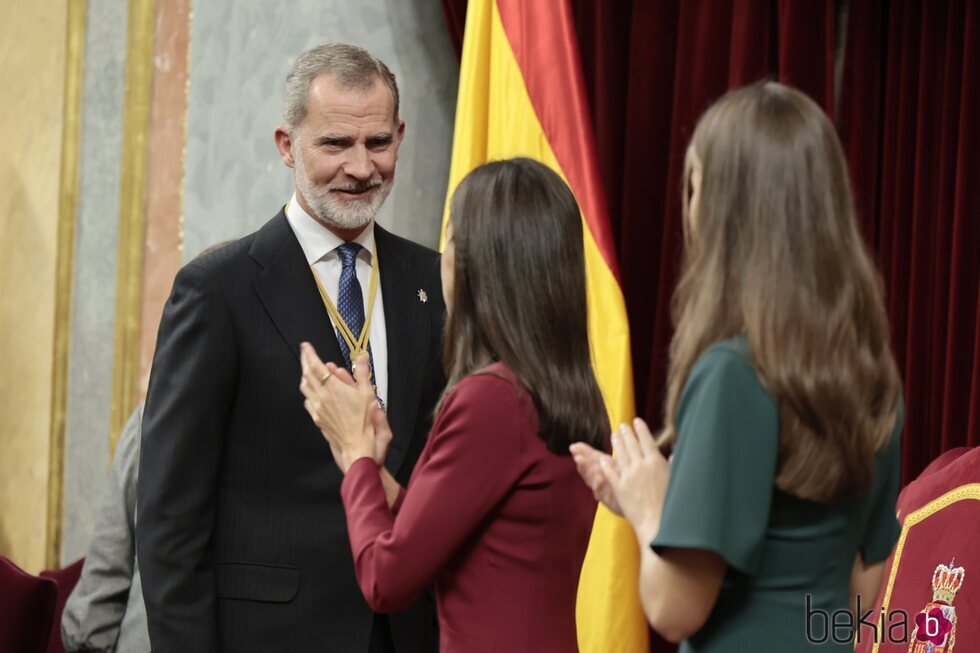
x: 723, y: 470
x: 882, y: 529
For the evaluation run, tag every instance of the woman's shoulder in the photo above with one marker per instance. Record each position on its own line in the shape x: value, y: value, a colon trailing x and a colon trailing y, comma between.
x: 489, y: 405
x: 495, y: 376
x: 495, y: 385
x: 731, y: 351
x: 730, y: 360
x: 725, y: 372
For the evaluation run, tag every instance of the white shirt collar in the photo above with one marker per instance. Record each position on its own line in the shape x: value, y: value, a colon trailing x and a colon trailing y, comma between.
x: 316, y: 240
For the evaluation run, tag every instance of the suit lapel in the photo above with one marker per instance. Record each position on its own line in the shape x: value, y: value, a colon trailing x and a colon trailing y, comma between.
x: 408, y: 343
x: 287, y: 291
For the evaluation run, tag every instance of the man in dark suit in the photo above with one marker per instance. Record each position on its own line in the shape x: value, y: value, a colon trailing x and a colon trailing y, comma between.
x: 241, y: 535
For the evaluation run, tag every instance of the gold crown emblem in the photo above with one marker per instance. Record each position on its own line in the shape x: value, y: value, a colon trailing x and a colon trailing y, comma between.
x: 946, y: 582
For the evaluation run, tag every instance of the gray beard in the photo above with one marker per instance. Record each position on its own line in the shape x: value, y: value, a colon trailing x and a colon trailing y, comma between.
x: 336, y: 212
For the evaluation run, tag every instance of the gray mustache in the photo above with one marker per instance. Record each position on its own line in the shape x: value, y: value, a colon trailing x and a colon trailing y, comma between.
x: 357, y: 187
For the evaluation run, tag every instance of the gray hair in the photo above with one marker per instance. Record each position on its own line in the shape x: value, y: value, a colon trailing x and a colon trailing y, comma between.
x: 350, y: 66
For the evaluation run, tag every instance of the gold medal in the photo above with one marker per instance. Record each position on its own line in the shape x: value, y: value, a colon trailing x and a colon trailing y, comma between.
x: 357, y: 344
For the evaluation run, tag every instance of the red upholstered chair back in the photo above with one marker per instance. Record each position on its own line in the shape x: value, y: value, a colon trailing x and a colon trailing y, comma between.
x: 66, y: 579
x: 930, y: 596
x: 26, y: 609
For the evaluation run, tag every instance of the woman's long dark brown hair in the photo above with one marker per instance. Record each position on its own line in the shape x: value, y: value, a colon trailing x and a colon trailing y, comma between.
x: 774, y: 253
x: 518, y: 295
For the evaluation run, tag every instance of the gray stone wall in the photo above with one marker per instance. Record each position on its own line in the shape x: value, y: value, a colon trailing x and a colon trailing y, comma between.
x: 240, y: 54
x: 94, y: 276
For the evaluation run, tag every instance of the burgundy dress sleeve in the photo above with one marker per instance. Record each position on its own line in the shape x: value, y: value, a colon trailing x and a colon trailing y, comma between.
x: 471, y: 462
x: 397, y: 505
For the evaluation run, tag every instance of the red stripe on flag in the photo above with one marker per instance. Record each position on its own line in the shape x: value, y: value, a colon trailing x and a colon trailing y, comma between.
x: 542, y: 37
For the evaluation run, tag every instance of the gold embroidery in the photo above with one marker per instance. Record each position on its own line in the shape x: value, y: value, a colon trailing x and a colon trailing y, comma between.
x: 963, y: 492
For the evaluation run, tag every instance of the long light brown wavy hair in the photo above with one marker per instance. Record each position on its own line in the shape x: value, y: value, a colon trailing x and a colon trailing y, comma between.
x: 774, y: 253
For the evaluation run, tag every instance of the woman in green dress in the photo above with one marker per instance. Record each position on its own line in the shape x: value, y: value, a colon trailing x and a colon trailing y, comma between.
x: 784, y: 402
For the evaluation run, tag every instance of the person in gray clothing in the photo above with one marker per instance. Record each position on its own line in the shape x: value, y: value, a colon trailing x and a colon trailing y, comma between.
x: 105, y: 611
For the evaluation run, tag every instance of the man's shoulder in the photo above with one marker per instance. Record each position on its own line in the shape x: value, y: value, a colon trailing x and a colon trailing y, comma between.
x: 406, y: 248
x: 233, y: 256
x: 221, y: 259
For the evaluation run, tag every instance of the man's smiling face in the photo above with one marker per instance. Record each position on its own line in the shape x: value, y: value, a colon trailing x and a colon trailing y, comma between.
x: 344, y: 152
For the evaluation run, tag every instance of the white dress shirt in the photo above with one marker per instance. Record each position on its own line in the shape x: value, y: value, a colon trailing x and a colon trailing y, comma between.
x: 320, y: 247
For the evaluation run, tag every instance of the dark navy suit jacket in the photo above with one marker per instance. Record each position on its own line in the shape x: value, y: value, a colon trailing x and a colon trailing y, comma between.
x: 241, y: 536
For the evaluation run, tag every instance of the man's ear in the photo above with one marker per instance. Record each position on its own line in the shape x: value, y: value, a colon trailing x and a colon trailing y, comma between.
x: 284, y: 143
x: 400, y: 132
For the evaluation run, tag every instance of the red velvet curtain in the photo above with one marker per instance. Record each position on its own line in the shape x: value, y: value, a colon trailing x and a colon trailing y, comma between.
x: 909, y: 108
x: 652, y: 71
x: 909, y: 117
x: 909, y: 88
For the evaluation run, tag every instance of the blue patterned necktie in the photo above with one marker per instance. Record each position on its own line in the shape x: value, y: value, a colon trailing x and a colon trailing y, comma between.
x: 350, y: 301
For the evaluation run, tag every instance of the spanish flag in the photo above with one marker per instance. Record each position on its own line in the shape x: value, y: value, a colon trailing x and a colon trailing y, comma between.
x: 521, y: 93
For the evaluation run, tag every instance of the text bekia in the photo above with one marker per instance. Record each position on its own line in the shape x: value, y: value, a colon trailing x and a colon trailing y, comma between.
x: 844, y: 627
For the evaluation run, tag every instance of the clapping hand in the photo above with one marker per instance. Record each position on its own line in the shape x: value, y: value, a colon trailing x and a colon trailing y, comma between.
x: 638, y: 478
x: 634, y: 483
x: 344, y: 408
x: 588, y: 462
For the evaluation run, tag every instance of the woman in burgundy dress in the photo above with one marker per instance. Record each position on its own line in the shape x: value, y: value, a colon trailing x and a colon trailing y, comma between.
x: 494, y: 514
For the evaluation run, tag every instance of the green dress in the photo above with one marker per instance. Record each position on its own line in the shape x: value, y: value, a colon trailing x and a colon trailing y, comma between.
x: 789, y: 561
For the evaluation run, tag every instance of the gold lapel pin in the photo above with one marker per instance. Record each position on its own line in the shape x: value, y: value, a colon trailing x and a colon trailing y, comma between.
x: 423, y: 297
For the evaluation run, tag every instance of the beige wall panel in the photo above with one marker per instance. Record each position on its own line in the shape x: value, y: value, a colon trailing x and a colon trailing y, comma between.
x: 32, y: 70
x: 165, y: 172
